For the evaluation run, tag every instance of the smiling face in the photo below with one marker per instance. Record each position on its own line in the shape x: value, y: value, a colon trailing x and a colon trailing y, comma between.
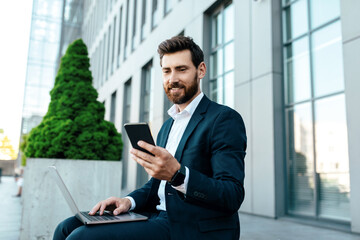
x: 181, y: 78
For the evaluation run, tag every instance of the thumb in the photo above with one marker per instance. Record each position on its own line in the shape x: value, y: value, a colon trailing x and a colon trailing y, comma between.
x: 120, y: 209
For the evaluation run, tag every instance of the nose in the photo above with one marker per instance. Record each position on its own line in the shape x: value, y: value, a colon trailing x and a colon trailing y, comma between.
x: 173, y: 77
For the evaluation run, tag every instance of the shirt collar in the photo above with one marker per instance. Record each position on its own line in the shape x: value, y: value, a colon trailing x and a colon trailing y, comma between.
x: 190, y: 109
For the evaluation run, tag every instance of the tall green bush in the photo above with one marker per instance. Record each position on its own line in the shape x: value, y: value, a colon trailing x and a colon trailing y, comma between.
x: 74, y: 126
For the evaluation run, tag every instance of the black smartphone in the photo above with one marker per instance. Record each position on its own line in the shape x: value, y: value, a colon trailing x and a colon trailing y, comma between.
x: 137, y: 132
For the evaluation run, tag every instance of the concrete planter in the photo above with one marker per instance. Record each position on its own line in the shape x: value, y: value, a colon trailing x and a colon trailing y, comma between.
x: 44, y: 207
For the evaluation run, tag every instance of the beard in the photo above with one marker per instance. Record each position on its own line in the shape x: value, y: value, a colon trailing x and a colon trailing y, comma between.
x: 189, y: 92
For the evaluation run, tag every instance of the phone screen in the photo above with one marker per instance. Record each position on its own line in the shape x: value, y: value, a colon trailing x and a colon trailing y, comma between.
x: 137, y: 132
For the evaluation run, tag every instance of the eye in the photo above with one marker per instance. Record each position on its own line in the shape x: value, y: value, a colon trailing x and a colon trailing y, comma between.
x: 182, y: 69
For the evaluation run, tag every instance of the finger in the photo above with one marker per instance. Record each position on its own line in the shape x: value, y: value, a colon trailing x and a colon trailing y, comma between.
x: 102, y: 207
x: 140, y: 154
x: 95, y: 209
x: 142, y: 162
x: 120, y: 209
x: 149, y: 147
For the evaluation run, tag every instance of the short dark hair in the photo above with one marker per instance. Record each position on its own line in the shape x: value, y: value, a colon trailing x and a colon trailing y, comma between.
x: 179, y: 43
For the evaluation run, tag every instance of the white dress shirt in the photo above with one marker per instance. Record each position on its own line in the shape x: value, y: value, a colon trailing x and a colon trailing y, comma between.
x: 181, y: 120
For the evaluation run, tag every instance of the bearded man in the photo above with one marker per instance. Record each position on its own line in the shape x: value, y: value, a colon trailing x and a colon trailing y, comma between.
x: 197, y: 167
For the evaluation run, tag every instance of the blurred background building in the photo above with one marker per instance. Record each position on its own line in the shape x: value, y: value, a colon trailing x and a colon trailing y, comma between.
x: 54, y: 24
x: 289, y: 67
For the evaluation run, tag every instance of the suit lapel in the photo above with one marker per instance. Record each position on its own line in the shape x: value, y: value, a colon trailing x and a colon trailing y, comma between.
x: 194, y: 121
x: 167, y: 128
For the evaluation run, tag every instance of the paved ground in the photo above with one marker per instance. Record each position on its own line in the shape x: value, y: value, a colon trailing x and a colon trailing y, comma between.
x: 10, y: 210
x: 252, y: 227
x: 259, y: 228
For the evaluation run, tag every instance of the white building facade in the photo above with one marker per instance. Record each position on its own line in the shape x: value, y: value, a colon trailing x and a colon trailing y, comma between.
x: 290, y: 68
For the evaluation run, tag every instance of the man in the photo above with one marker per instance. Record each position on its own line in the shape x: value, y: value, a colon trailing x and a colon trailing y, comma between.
x: 197, y: 169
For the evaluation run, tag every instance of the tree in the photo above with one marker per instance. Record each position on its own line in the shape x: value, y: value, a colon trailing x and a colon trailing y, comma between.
x: 74, y: 125
x: 7, y: 151
x: 23, y: 145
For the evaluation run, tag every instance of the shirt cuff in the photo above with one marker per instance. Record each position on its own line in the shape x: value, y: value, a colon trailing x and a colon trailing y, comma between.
x: 133, y: 204
x: 183, y: 187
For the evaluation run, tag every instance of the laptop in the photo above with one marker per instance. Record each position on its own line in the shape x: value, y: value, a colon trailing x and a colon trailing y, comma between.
x: 84, y: 217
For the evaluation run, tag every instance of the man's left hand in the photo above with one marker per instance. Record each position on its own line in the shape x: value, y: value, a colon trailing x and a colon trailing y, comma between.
x: 161, y: 166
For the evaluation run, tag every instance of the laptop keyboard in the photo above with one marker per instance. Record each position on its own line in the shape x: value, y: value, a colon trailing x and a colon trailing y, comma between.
x: 97, y: 217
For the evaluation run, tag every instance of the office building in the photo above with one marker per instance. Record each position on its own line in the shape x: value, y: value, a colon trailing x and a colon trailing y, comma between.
x: 288, y: 67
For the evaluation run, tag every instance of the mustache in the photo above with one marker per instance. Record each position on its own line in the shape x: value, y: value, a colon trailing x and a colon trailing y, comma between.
x: 175, y: 85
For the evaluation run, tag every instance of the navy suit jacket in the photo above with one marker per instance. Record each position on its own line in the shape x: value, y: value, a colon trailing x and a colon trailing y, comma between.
x: 213, y: 148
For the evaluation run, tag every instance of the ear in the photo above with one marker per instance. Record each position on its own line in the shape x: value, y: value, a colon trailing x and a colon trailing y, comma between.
x: 201, y: 70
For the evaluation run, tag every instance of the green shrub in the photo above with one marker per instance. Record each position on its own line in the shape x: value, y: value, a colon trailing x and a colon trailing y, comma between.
x: 74, y: 126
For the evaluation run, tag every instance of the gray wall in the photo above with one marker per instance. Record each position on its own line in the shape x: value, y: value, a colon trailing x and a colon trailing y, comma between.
x: 351, y: 50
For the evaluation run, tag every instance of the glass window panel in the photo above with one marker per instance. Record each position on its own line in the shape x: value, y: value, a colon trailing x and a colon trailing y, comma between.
x: 334, y: 196
x: 169, y: 4
x: 44, y: 99
x: 113, y: 107
x: 119, y: 37
x: 220, y: 90
x: 217, y: 30
x: 51, y: 51
x: 213, y: 90
x: 301, y: 160
x: 229, y: 57
x: 216, y: 62
x: 53, y: 32
x: 31, y: 96
x: 45, y: 8
x: 332, y: 160
x: 287, y: 1
x: 229, y: 89
x: 113, y: 45
x: 33, y: 75
x: 35, y: 50
x: 327, y: 60
x: 297, y: 65
x: 155, y: 13
x: 48, y: 77
x: 229, y: 23
x: 296, y: 20
x: 147, y: 89
x: 143, y: 20
x: 323, y: 11
x: 38, y: 31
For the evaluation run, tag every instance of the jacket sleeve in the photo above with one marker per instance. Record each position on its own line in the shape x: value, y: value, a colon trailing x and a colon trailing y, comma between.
x: 224, y: 189
x: 145, y: 197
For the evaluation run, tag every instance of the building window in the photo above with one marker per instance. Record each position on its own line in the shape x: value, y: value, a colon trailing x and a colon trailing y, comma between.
x: 222, y: 55
x: 103, y: 60
x: 155, y: 14
x: 146, y: 110
x: 126, y: 119
x: 143, y: 20
x: 119, y: 37
x: 146, y: 92
x: 113, y: 107
x: 168, y: 5
x: 133, y: 42
x: 108, y: 53
x: 317, y: 150
x: 113, y: 47
x: 126, y: 30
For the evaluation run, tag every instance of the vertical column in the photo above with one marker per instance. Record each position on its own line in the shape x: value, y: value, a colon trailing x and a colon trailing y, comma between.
x: 351, y: 51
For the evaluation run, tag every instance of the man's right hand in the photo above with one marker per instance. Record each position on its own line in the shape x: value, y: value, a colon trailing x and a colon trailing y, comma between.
x: 114, y: 204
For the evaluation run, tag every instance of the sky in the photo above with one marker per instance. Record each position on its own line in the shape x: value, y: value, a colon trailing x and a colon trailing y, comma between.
x: 15, y: 21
